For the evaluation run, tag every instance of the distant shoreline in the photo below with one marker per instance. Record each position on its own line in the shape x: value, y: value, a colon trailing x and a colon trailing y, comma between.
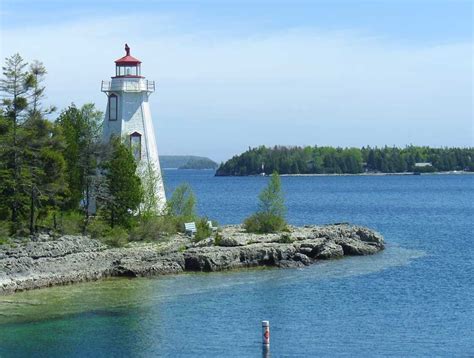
x: 378, y: 174
x: 356, y: 174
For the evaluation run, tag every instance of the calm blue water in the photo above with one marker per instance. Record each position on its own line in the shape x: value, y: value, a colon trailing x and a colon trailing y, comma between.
x: 414, y: 299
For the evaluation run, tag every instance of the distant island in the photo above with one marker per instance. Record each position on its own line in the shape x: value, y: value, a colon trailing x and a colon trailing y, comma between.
x: 187, y: 162
x: 331, y: 160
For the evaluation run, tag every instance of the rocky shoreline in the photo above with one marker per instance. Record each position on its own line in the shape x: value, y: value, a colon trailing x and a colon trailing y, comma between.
x: 45, y: 261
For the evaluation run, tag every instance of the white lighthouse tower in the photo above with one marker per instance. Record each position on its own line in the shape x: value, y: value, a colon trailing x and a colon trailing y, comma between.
x: 128, y: 116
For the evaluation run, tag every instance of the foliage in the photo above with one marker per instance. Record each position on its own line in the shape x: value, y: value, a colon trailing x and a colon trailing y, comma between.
x: 125, y: 192
x: 218, y: 238
x: 4, y: 232
x: 153, y: 228
x: 81, y: 130
x: 50, y: 172
x: 181, y: 206
x: 199, y: 163
x: 31, y: 161
x: 285, y: 239
x: 183, y: 202
x: 151, y: 180
x: 98, y: 228
x: 179, y: 161
x: 270, y: 216
x: 271, y: 198
x: 116, y: 237
x: 262, y: 223
x: 203, y: 231
x: 15, y: 87
x: 329, y: 160
x: 70, y: 223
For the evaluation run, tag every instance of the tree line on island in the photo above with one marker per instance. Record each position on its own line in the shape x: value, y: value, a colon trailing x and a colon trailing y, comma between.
x: 330, y: 160
x: 52, y: 172
x: 186, y: 162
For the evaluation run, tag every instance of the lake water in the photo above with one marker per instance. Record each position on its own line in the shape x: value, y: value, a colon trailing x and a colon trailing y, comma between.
x: 414, y: 299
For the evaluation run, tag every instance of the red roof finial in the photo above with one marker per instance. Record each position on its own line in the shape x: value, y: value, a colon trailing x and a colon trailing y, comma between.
x: 127, y: 50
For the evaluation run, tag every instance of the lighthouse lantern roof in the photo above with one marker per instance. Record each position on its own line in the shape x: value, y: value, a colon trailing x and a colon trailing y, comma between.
x: 127, y: 60
x: 127, y: 66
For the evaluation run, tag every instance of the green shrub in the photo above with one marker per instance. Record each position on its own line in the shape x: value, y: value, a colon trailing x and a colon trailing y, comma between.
x: 203, y: 230
x: 270, y: 216
x: 153, y: 228
x: 71, y: 223
x: 218, y: 239
x: 182, y: 203
x: 4, y: 231
x: 98, y: 228
x: 285, y: 239
x: 116, y: 237
x: 263, y: 223
x: 4, y: 240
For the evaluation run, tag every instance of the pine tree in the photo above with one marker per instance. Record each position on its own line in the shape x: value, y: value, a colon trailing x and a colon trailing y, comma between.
x: 124, y: 189
x: 15, y: 86
x: 81, y: 128
x: 270, y: 216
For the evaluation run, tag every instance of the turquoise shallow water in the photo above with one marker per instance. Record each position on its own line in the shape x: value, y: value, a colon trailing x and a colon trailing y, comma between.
x: 414, y: 299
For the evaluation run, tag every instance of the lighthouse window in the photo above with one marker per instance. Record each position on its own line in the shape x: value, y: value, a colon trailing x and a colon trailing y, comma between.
x: 127, y: 71
x: 113, y: 107
x: 136, y: 145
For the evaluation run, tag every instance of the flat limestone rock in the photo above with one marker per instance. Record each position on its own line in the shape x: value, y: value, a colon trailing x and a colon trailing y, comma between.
x: 48, y: 261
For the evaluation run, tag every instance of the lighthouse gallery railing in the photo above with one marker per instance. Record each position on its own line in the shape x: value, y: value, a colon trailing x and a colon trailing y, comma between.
x: 128, y: 86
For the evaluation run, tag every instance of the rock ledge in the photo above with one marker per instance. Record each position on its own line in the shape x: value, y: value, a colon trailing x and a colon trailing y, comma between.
x: 46, y: 261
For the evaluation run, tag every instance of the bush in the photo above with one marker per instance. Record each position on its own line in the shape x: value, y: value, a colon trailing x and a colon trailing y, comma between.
x: 182, y: 203
x: 203, y: 230
x: 271, y: 214
x: 153, y: 228
x: 98, y: 228
x: 218, y: 239
x: 285, y: 239
x: 4, y: 231
x: 71, y: 223
x: 263, y: 223
x: 116, y: 237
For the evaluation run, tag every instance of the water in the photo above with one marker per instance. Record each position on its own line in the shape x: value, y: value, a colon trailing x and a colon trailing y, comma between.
x: 414, y: 299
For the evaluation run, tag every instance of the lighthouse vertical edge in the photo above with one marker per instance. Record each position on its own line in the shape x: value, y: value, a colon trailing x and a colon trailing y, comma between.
x: 128, y: 116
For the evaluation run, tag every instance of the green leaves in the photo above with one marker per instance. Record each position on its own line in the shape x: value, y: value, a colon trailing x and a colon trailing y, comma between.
x: 124, y: 188
x: 331, y: 160
x: 183, y: 202
x: 270, y: 216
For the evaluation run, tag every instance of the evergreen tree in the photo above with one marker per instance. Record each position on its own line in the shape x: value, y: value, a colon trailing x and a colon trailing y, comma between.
x: 270, y: 216
x: 44, y: 168
x: 81, y: 128
x: 124, y: 189
x: 15, y: 87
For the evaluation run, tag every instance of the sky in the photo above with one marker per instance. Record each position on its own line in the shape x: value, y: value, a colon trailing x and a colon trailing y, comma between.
x: 237, y: 74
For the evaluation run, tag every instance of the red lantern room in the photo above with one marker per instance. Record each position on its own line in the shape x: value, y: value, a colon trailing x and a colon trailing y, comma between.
x: 128, y: 66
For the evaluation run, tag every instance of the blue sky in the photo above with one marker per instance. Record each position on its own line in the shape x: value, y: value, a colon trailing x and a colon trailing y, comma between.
x: 236, y: 74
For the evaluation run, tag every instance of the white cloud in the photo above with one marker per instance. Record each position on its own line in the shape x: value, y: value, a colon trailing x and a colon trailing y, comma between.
x: 299, y: 86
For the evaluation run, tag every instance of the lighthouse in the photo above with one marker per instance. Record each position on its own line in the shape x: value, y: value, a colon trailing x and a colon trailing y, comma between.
x: 128, y: 116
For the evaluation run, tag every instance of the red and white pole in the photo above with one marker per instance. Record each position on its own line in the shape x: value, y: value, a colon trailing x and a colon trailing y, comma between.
x: 266, y: 333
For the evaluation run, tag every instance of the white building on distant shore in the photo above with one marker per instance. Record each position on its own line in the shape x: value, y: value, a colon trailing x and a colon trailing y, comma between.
x: 128, y: 116
x: 423, y: 165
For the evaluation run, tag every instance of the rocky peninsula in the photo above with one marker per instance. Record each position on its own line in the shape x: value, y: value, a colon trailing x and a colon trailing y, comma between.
x: 46, y: 261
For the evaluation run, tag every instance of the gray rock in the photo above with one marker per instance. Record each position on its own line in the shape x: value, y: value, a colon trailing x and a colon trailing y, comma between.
x: 27, y: 264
